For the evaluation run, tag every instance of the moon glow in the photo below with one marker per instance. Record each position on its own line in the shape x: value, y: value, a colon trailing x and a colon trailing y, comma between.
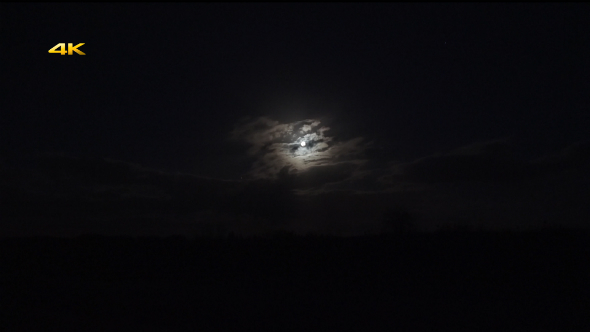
x: 302, y: 143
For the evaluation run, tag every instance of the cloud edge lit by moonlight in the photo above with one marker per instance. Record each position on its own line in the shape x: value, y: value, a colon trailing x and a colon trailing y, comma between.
x: 276, y: 146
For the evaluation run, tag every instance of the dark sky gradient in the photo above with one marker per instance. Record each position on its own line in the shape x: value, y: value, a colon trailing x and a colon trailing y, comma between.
x: 476, y: 113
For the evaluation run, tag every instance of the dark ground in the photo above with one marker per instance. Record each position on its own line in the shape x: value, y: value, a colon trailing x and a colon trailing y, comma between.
x: 471, y: 281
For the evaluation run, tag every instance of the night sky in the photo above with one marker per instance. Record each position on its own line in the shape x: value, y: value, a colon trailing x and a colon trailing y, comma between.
x: 189, y: 118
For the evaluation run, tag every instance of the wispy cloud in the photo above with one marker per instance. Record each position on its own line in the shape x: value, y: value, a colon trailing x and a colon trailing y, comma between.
x: 304, y: 149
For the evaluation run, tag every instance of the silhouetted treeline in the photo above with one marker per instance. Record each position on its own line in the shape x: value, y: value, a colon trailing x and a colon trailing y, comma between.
x: 484, y: 280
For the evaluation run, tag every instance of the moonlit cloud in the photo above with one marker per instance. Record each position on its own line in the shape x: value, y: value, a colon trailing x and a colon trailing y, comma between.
x: 277, y: 146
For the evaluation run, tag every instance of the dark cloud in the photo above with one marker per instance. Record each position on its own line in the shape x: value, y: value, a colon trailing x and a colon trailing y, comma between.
x: 573, y: 160
x: 489, y: 162
x: 485, y: 183
x: 316, y: 176
x: 64, y: 193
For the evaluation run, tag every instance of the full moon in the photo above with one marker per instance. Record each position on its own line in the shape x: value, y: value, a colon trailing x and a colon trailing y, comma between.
x: 302, y: 143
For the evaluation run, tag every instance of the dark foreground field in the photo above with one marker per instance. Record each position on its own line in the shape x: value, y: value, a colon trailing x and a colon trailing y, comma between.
x: 477, y: 282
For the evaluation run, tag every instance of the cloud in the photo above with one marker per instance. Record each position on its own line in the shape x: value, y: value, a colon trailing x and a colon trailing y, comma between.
x: 490, y: 162
x: 487, y: 182
x: 487, y: 162
x: 337, y: 192
x: 573, y: 160
x: 57, y: 194
x: 316, y: 176
x: 276, y: 147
